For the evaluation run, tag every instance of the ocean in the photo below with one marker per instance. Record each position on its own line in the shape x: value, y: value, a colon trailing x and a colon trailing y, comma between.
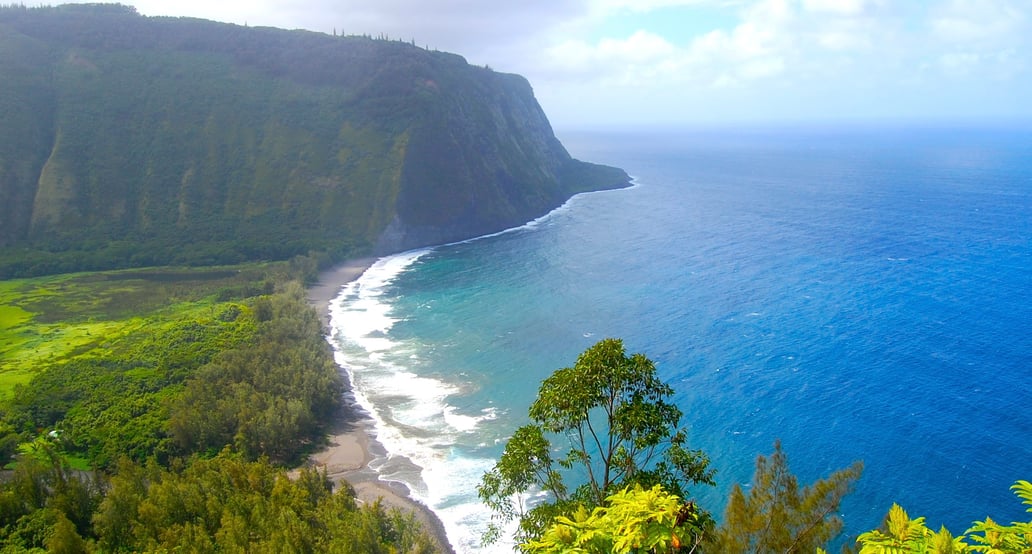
x: 860, y: 293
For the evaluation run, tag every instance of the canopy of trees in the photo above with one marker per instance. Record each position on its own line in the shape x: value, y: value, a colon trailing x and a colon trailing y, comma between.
x: 621, y: 430
x: 632, y: 520
x: 221, y: 504
x: 252, y: 372
x: 779, y: 516
x: 186, y: 415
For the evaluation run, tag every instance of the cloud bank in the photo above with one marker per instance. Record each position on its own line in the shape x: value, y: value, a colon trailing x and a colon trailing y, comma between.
x: 646, y: 61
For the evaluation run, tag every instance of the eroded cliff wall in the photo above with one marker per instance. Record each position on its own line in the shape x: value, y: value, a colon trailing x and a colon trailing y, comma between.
x: 129, y: 140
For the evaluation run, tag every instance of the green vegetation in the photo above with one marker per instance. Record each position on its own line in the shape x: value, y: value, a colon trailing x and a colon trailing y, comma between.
x: 186, y: 390
x: 222, y: 504
x: 622, y: 431
x: 632, y: 520
x: 902, y: 534
x: 624, y: 437
x: 165, y: 363
x: 269, y: 398
x: 778, y: 516
x: 131, y: 141
x: 88, y: 316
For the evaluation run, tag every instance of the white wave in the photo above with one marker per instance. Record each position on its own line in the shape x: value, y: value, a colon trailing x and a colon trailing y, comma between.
x: 357, y: 313
x: 452, y: 497
x: 535, y: 223
x: 466, y: 423
x: 413, y: 419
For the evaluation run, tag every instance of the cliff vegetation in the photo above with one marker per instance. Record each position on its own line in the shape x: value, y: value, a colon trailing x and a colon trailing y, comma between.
x: 133, y: 141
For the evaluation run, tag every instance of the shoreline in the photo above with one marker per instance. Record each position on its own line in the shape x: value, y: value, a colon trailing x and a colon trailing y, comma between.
x: 351, y: 441
x: 352, y: 438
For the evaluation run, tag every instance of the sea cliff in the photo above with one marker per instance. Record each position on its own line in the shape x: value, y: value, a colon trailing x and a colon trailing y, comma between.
x: 133, y: 141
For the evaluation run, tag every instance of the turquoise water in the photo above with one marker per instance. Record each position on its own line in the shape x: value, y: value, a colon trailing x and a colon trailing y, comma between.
x: 858, y: 293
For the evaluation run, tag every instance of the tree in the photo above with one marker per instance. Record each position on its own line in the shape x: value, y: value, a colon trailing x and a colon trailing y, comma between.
x: 776, y: 516
x: 621, y: 429
x: 64, y: 539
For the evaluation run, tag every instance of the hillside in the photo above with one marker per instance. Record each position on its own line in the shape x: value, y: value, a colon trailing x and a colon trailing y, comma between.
x: 137, y: 141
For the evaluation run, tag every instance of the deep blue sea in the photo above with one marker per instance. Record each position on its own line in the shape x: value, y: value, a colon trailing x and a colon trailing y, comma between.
x: 858, y: 293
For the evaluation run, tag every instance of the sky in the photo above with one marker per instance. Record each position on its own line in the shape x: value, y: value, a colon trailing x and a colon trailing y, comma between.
x: 597, y: 63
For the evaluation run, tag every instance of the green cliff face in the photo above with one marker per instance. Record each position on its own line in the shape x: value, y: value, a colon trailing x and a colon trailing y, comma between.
x: 129, y: 140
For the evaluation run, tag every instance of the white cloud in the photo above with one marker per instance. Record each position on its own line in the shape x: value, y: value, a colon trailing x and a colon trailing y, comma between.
x: 838, y: 7
x: 839, y: 40
x: 640, y: 47
x: 630, y: 61
x: 761, y: 68
x: 959, y: 63
x: 962, y: 21
x: 864, y: 56
x: 977, y: 41
x: 750, y: 51
x: 740, y: 57
x: 640, y: 6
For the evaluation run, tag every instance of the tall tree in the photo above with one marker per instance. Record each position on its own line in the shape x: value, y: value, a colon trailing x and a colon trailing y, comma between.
x: 778, y: 516
x: 621, y: 429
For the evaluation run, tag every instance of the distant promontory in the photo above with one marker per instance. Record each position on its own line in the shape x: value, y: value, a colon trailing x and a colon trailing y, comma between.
x: 137, y: 141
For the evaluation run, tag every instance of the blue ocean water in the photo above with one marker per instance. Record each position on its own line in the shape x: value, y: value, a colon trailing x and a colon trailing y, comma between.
x: 857, y: 293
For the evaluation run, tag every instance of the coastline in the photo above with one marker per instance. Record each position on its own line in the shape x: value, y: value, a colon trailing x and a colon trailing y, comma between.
x: 352, y: 439
x: 351, y: 442
x: 329, y: 282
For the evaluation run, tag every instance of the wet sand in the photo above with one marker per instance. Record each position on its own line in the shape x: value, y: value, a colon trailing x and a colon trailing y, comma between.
x: 352, y: 438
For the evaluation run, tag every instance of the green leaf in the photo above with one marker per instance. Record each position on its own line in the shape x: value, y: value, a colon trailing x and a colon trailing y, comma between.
x: 1024, y: 491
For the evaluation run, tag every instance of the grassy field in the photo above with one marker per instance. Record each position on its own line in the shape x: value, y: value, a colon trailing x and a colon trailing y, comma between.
x: 52, y: 319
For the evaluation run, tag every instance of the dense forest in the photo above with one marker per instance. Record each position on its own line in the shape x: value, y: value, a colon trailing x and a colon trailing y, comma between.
x: 157, y: 409
x: 171, y: 365
x: 133, y: 141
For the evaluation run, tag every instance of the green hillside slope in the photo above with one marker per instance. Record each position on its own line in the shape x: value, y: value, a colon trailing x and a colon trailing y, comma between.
x: 133, y: 141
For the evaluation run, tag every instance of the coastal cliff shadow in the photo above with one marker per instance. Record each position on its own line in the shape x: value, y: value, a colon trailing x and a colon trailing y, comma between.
x: 350, y: 415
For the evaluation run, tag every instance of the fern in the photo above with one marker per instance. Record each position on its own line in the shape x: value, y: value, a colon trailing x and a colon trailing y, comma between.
x: 911, y: 536
x: 1024, y: 491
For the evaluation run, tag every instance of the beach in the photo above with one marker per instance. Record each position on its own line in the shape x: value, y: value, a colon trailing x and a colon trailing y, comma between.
x: 351, y: 442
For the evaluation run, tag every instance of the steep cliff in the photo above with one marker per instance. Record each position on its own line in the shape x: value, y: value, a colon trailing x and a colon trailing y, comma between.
x: 131, y: 140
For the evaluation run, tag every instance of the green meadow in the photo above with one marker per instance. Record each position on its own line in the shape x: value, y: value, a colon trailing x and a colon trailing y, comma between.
x: 50, y: 320
x: 164, y: 363
x: 97, y: 362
